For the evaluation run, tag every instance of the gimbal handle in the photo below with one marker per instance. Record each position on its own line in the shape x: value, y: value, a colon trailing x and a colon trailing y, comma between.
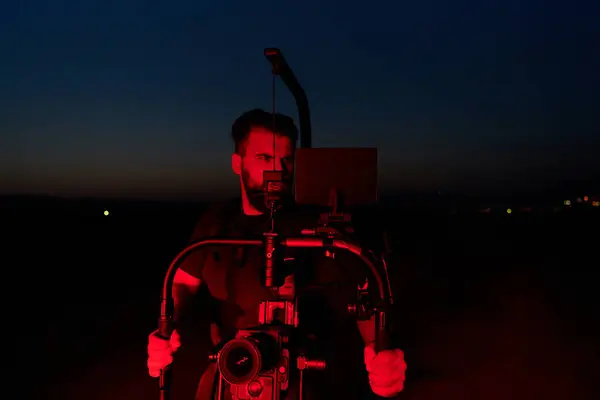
x: 165, y: 322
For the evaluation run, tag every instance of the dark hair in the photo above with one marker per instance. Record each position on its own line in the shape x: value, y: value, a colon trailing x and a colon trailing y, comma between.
x: 258, y: 118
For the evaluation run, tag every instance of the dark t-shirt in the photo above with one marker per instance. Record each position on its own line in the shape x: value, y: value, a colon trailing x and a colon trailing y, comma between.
x: 233, y: 277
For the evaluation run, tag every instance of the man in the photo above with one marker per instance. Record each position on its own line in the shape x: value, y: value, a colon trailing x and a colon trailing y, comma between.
x: 233, y: 278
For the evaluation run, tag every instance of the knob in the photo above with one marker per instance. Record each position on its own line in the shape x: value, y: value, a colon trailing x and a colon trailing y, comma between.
x: 352, y: 309
x: 304, y: 363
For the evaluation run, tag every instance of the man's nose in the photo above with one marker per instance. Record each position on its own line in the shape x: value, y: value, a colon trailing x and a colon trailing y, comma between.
x: 278, y: 164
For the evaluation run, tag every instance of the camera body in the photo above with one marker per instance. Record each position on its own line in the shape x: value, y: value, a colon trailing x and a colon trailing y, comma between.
x: 256, y: 363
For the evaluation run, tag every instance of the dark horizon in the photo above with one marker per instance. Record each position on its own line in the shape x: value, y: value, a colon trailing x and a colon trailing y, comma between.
x: 558, y: 192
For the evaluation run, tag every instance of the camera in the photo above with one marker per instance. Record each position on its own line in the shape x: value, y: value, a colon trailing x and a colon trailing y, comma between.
x: 254, y: 363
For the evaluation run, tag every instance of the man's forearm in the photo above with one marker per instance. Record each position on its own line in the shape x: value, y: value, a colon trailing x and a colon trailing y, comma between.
x: 367, y: 330
x: 182, y: 297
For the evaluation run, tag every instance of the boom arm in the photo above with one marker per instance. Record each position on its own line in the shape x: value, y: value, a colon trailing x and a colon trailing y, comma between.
x: 281, y: 68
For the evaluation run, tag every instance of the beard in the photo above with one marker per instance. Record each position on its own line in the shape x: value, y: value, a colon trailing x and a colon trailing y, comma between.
x: 256, y: 193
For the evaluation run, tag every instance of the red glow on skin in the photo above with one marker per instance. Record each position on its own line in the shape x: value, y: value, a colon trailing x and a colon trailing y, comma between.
x: 263, y: 151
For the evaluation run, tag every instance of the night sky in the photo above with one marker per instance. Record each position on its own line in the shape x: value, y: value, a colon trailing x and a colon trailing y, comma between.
x: 136, y: 98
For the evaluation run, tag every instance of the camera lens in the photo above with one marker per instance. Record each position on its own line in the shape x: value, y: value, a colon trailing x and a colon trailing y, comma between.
x: 239, y: 362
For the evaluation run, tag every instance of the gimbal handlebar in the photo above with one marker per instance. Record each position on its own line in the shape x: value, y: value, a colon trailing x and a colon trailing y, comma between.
x: 165, y: 322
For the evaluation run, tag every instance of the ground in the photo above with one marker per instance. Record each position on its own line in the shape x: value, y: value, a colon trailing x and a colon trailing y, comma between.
x: 487, y: 309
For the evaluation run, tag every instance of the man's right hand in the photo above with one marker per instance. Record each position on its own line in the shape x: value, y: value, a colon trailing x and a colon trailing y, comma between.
x: 160, y: 352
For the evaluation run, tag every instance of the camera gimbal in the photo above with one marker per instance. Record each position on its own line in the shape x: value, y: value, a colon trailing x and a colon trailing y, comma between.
x: 256, y: 364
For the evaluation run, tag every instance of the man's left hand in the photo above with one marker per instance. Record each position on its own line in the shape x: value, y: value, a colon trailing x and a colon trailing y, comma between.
x: 387, y: 371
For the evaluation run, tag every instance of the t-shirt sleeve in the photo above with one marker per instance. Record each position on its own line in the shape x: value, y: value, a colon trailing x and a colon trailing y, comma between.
x: 193, y: 264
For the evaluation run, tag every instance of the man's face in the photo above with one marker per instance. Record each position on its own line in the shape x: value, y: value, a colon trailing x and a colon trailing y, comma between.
x: 263, y: 151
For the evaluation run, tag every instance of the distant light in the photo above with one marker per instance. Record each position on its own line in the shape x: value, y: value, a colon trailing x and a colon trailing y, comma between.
x: 567, y: 202
x: 585, y: 198
x: 106, y: 212
x: 509, y: 211
x: 595, y: 203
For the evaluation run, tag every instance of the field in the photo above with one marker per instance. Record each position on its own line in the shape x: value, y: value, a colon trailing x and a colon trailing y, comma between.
x: 490, y: 306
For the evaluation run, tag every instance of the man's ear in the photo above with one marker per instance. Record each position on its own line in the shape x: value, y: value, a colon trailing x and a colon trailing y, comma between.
x: 236, y: 163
